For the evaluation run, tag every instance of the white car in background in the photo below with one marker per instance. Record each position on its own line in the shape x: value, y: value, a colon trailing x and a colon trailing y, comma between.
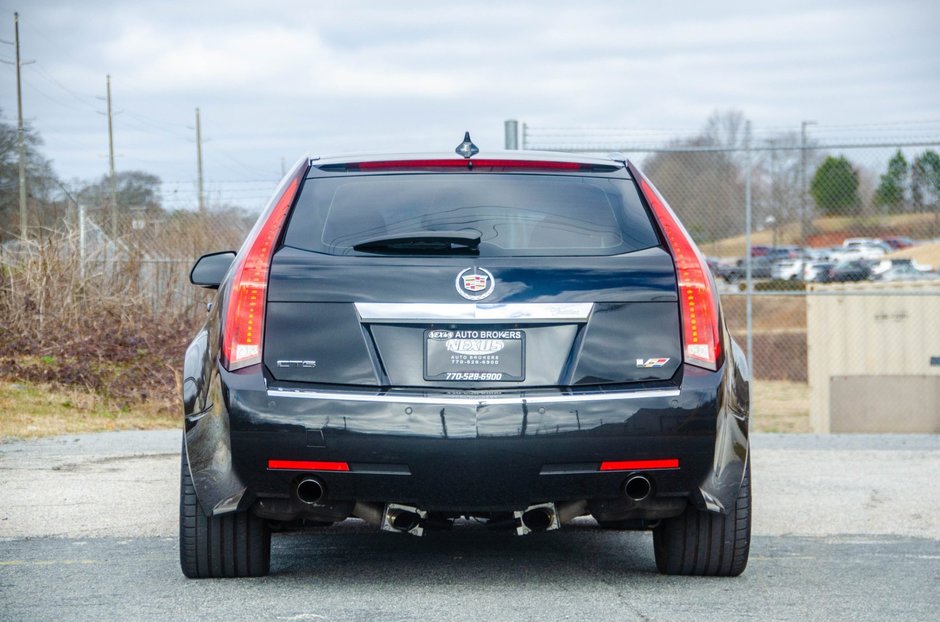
x: 848, y: 242
x: 817, y: 254
x: 857, y: 252
x: 816, y: 271
x: 902, y: 270
x: 905, y: 271
x: 788, y: 269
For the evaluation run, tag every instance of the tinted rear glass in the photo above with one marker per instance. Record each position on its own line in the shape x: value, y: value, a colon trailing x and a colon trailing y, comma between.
x: 513, y: 214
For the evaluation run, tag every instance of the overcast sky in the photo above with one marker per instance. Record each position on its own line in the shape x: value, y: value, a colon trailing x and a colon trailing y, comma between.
x: 277, y: 79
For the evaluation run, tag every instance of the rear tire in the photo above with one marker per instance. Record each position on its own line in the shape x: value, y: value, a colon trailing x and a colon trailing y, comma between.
x: 231, y: 545
x: 707, y: 543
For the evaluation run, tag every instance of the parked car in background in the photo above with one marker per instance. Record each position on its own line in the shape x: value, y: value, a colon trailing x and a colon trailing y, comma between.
x: 761, y: 268
x: 713, y: 265
x: 817, y: 271
x: 785, y: 252
x: 849, y: 271
x: 902, y: 263
x: 877, y: 242
x: 817, y: 254
x: 857, y: 252
x: 899, y: 242
x: 904, y: 270
x: 759, y: 250
x: 788, y: 269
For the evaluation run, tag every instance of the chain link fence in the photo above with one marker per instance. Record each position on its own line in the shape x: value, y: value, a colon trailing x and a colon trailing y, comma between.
x: 853, y: 223
x: 844, y: 239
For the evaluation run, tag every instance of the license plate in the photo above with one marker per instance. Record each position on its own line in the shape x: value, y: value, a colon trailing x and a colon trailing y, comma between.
x: 474, y: 354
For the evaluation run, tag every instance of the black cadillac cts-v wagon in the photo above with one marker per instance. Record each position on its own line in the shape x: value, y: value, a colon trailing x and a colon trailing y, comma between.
x: 521, y: 338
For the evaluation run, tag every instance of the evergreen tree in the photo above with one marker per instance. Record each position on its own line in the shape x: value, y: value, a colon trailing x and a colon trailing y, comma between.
x: 893, y: 187
x: 835, y: 187
x: 925, y: 180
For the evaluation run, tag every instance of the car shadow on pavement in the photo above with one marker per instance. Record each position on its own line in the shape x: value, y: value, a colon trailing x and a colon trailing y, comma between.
x: 348, y: 552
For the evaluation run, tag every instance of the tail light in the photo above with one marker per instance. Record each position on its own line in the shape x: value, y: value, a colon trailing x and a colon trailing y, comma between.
x: 243, y: 329
x: 698, y: 302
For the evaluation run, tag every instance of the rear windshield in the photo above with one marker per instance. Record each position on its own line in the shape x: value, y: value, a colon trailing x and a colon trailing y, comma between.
x: 524, y: 214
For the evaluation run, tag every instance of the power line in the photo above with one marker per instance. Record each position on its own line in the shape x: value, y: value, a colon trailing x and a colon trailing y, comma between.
x: 85, y: 99
x: 54, y: 99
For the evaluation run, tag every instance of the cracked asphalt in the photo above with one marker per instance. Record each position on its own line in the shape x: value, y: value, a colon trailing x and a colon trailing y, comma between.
x: 845, y: 527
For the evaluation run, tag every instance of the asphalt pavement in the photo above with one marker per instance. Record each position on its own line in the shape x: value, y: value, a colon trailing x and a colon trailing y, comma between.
x: 845, y: 527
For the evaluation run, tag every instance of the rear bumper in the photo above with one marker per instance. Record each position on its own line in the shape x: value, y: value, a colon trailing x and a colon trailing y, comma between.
x: 453, y: 453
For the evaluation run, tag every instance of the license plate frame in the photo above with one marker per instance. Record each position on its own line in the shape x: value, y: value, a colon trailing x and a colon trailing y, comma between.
x: 474, y: 354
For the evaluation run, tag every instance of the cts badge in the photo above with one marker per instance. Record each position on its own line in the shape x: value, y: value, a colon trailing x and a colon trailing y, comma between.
x: 651, y: 362
x: 296, y: 364
x: 475, y: 283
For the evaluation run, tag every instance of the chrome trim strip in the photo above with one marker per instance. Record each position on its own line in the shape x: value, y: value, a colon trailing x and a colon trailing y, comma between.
x: 471, y: 401
x: 421, y: 312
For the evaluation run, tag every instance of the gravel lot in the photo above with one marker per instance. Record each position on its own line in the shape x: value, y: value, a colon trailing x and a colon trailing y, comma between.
x: 845, y: 527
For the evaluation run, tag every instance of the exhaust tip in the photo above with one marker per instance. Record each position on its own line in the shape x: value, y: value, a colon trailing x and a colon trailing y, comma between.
x: 310, y: 490
x: 538, y: 519
x: 637, y: 488
x: 403, y: 520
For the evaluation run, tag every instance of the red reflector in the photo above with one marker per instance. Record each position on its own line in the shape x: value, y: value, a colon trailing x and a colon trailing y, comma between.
x: 698, y: 304
x: 639, y: 465
x: 475, y: 163
x: 307, y: 465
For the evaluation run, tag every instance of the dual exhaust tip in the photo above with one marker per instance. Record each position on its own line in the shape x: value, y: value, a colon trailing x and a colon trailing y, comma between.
x: 637, y: 488
x: 412, y: 520
x: 404, y: 519
x: 537, y: 518
x: 409, y: 519
x: 310, y: 490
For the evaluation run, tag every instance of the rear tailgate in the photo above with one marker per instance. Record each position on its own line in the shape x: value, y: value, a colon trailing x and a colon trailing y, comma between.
x: 393, y: 321
x: 568, y: 285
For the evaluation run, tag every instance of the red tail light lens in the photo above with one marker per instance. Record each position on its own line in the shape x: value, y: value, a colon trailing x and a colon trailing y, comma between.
x: 698, y: 303
x: 244, y: 317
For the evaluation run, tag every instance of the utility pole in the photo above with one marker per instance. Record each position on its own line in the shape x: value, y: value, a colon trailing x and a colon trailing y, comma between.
x: 511, y: 131
x: 114, y: 206
x: 749, y: 290
x: 803, y: 190
x: 20, y: 137
x: 202, y: 200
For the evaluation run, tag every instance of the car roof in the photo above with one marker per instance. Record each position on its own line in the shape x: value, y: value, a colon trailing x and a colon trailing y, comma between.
x: 529, y: 156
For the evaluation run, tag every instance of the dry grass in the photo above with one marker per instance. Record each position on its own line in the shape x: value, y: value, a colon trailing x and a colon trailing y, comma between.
x: 771, y: 313
x: 925, y: 253
x: 114, y: 328
x: 780, y: 406
x: 36, y: 410
x: 830, y: 230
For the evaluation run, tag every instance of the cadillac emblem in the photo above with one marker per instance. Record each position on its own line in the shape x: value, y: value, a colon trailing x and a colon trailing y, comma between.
x: 475, y: 283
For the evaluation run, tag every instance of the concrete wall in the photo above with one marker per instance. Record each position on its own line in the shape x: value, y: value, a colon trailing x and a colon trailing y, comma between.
x: 852, y: 333
x: 878, y: 404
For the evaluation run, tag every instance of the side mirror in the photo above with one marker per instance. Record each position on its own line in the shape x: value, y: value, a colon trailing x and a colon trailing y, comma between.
x: 209, y: 270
